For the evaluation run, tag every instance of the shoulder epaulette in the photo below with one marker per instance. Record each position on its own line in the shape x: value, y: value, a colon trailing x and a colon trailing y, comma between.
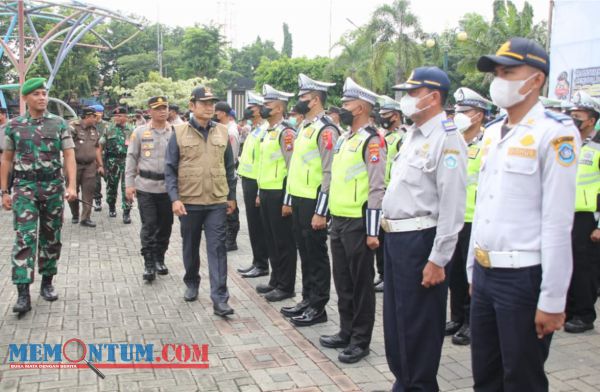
x: 559, y: 117
x: 494, y: 121
x: 449, y: 125
x: 328, y: 122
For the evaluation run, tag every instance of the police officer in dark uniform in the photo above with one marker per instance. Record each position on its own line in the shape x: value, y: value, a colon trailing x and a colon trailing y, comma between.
x: 248, y: 171
x: 355, y: 194
x: 88, y: 156
x: 276, y: 150
x: 200, y: 180
x: 145, y: 179
x: 308, y: 184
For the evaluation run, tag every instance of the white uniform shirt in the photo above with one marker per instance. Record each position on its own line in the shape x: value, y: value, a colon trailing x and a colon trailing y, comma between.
x: 526, y: 197
x: 429, y: 178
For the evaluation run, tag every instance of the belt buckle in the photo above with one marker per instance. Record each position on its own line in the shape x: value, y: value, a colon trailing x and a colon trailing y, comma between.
x: 483, y: 257
x: 385, y: 225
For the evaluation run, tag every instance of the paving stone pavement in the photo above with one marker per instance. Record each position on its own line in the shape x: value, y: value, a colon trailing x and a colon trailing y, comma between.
x: 103, y: 299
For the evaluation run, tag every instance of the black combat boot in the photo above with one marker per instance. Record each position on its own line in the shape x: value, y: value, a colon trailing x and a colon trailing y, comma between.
x: 112, y: 211
x: 161, y: 268
x: 47, y: 291
x: 126, y: 217
x: 149, y: 268
x: 23, y: 304
x: 98, y: 206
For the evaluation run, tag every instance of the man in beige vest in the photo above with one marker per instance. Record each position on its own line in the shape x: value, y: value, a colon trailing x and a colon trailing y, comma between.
x: 200, y: 180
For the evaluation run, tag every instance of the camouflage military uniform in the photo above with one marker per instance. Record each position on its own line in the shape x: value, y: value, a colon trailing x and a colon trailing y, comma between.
x: 115, y: 141
x: 38, y: 192
x: 101, y: 128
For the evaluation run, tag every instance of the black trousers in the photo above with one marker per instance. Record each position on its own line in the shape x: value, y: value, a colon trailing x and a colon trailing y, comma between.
x: 314, y: 259
x: 505, y: 351
x: 212, y: 222
x: 233, y: 226
x: 353, y: 274
x: 414, y: 317
x: 458, y: 283
x: 280, y: 240
x: 157, y: 219
x: 586, y: 263
x: 256, y: 232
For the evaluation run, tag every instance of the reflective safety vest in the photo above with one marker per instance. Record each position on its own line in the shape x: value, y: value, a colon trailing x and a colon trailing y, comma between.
x: 473, y: 166
x: 250, y: 158
x: 588, y: 178
x: 393, y: 140
x: 272, y: 169
x: 306, y: 172
x: 349, y: 189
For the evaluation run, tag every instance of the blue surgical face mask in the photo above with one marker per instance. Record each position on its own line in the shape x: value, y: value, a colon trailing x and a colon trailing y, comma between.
x: 293, y: 121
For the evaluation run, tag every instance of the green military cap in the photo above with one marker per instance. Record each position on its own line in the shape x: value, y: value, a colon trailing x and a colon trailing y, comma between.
x: 32, y: 85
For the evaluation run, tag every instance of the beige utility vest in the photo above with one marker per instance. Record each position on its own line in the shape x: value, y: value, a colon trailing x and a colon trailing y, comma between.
x: 201, y: 172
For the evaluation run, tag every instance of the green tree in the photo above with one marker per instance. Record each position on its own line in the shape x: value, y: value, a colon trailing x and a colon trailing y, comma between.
x: 247, y: 59
x: 202, y: 51
x: 286, y: 49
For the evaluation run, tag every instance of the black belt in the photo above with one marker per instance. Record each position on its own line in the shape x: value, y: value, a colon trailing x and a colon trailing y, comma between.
x: 37, y: 175
x: 84, y: 163
x: 152, y: 175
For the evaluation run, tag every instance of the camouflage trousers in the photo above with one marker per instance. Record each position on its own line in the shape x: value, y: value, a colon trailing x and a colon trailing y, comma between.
x: 36, y: 205
x: 115, y: 173
x: 98, y: 190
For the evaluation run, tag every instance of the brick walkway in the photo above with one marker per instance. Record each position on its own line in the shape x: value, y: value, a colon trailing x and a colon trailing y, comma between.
x: 104, y: 300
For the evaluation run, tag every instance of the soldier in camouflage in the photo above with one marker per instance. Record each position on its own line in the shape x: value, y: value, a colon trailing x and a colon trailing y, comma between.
x: 34, y: 141
x: 115, y: 142
x: 101, y: 127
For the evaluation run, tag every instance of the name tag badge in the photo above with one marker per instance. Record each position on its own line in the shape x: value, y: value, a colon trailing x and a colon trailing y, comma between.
x: 522, y: 152
x: 309, y: 132
x: 273, y: 135
x: 353, y: 144
x: 473, y: 152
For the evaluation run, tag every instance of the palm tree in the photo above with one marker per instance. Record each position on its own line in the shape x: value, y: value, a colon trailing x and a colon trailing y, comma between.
x: 396, y: 31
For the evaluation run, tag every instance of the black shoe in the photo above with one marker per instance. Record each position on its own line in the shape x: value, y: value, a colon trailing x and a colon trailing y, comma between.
x: 379, y: 287
x: 333, y: 341
x: 378, y: 280
x: 149, y: 268
x: 353, y: 354
x: 23, y: 304
x: 278, y: 295
x: 222, y: 310
x: 296, y: 310
x: 255, y: 273
x: 75, y: 220
x: 47, y: 291
x: 264, y: 288
x: 112, y: 212
x: 462, y: 337
x: 577, y: 326
x: 231, y: 246
x: 161, y: 268
x: 98, y: 206
x: 191, y: 294
x: 88, y: 223
x: 246, y: 269
x: 126, y: 217
x: 452, y: 327
x: 310, y: 317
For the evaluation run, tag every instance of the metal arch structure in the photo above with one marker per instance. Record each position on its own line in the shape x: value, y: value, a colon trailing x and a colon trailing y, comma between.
x: 73, y: 20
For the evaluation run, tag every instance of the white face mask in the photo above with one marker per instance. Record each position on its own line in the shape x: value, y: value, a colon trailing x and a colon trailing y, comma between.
x: 462, y: 122
x: 505, y: 93
x: 408, y: 105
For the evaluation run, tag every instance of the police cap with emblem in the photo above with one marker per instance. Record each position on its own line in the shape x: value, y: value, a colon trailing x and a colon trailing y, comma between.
x: 158, y: 101
x: 33, y: 84
x: 88, y: 111
x: 353, y: 91
x: 516, y: 51
x: 388, y: 104
x: 202, y: 93
x: 583, y: 101
x: 306, y: 85
x: 466, y: 99
x: 430, y: 77
x: 272, y: 94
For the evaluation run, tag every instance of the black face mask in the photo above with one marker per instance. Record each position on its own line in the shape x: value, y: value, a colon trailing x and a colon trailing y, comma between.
x: 265, y: 112
x: 578, y: 123
x: 346, y: 117
x: 302, y: 107
x: 248, y: 114
x: 215, y: 118
x: 386, y: 122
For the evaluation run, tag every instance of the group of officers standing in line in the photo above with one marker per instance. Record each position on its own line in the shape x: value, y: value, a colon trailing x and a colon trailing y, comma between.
x: 487, y: 211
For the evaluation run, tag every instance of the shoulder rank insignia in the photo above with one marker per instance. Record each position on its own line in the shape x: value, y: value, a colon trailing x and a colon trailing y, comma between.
x: 449, y: 125
x: 559, y: 117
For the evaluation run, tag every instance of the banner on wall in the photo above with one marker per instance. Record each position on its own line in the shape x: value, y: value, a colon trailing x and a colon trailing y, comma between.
x: 574, y: 49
